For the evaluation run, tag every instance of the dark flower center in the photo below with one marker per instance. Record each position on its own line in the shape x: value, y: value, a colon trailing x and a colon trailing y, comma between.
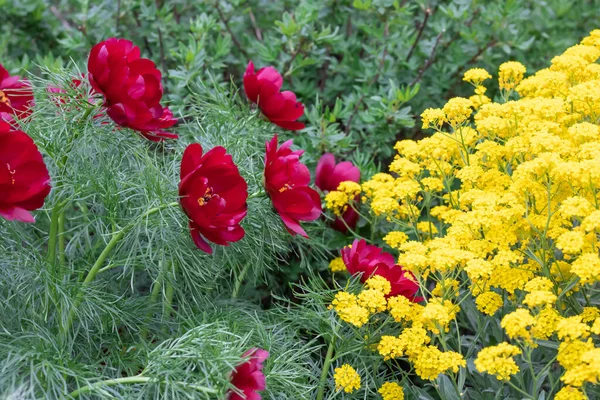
x: 11, y: 172
x: 206, y: 198
x: 285, y: 187
x: 4, y: 98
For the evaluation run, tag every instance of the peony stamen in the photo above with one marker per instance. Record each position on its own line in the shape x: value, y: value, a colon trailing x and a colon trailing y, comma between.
x: 4, y: 98
x: 285, y: 187
x: 206, y: 198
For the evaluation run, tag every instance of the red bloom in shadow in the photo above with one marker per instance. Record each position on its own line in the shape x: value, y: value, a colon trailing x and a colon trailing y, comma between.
x: 24, y: 179
x: 328, y: 177
x: 131, y: 87
x: 286, y: 182
x: 371, y: 260
x: 213, y: 195
x: 248, y: 377
x: 16, y: 97
x: 263, y: 88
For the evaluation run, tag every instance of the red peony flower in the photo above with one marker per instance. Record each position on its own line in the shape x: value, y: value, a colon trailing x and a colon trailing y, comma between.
x: 371, y: 260
x: 24, y: 179
x: 248, y: 377
x: 131, y: 87
x: 213, y: 195
x: 286, y: 182
x: 263, y: 88
x: 329, y: 175
x: 16, y: 96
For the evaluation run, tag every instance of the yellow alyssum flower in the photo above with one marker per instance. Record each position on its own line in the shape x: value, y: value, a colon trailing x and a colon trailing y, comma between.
x: 517, y: 324
x: 433, y: 118
x: 570, y: 393
x: 395, y: 238
x: 438, y: 314
x: 347, y: 308
x: 539, y: 283
x: 390, y: 347
x: 538, y: 298
x: 391, y: 391
x: 350, y: 188
x: 489, y: 302
x: 372, y: 300
x: 379, y: 283
x: 545, y: 323
x: 587, y: 267
x: 336, y: 201
x: 431, y: 362
x: 337, y: 265
x: 498, y: 361
x: 589, y: 314
x: 595, y: 329
x: 476, y: 76
x: 570, y: 352
x: 401, y: 308
x: 510, y: 74
x: 346, y: 378
x: 572, y: 328
x: 588, y: 371
x: 457, y: 110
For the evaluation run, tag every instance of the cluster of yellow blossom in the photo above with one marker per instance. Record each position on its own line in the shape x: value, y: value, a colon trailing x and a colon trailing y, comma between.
x: 337, y: 265
x: 346, y: 378
x: 414, y: 340
x: 391, y: 391
x: 500, y: 207
x: 356, y: 309
x: 338, y: 200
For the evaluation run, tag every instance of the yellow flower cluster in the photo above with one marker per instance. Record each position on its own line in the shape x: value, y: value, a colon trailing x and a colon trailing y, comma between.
x: 338, y: 200
x: 337, y: 265
x: 346, y: 378
x: 498, y: 361
x: 510, y: 74
x: 500, y: 208
x: 391, y: 391
x: 356, y: 309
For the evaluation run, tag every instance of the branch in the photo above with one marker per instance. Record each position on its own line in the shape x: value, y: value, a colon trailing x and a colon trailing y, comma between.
x: 163, y: 61
x: 456, y: 76
x: 61, y: 18
x: 414, y: 46
x: 226, y: 23
x: 288, y: 65
x: 429, y: 60
x: 257, y: 31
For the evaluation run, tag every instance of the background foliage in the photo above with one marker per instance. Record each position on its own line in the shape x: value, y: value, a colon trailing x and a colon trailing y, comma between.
x: 365, y: 69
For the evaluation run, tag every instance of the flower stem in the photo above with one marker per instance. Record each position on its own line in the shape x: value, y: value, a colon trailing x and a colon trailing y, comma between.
x: 61, y: 238
x: 116, y: 238
x: 239, y: 279
x: 133, y: 380
x: 256, y: 194
x: 326, y: 365
x: 53, y: 234
x: 151, y: 302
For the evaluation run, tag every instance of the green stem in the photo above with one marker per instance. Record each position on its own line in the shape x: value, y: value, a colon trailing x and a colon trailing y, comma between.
x: 53, y: 234
x: 256, y: 194
x: 326, y: 365
x: 102, y: 258
x: 151, y: 302
x: 61, y: 238
x: 132, y: 380
x: 239, y: 279
x: 168, y: 301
